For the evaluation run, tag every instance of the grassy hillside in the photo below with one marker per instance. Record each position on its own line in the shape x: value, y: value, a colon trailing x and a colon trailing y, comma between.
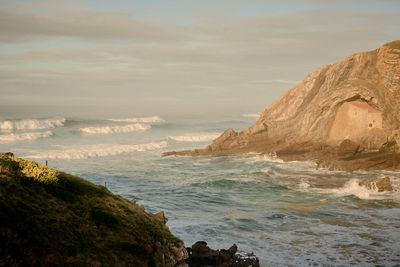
x: 53, y: 218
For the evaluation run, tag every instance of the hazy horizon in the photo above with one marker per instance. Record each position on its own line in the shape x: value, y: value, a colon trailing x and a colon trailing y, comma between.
x: 142, y: 57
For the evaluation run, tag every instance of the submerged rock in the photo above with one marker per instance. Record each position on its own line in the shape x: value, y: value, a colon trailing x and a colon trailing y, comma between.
x: 201, y: 255
x: 378, y: 184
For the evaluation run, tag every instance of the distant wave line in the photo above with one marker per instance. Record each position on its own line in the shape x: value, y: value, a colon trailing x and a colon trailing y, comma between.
x: 31, y: 124
x: 194, y: 138
x: 21, y: 137
x: 153, y: 119
x: 97, y: 150
x: 251, y: 115
x: 137, y: 127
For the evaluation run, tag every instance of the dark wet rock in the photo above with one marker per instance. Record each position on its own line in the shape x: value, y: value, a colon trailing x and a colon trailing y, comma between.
x: 378, y: 184
x: 347, y: 148
x: 201, y: 255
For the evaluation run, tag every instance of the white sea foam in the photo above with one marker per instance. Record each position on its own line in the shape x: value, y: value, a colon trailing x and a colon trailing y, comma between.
x: 153, y: 119
x: 271, y: 157
x: 97, y: 150
x: 137, y: 127
x: 251, y: 115
x: 353, y: 187
x: 21, y: 137
x: 39, y: 124
x: 303, y: 184
x: 194, y: 138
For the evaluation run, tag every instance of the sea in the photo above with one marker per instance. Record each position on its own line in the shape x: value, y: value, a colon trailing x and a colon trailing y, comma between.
x: 286, y: 213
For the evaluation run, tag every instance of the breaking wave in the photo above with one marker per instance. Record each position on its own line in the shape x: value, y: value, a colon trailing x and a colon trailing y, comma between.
x: 152, y: 119
x: 98, y: 150
x: 353, y: 187
x: 271, y: 157
x: 137, y: 127
x: 21, y: 137
x: 194, y: 138
x: 39, y: 124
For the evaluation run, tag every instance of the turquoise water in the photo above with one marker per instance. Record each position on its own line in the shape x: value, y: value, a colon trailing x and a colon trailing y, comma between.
x: 286, y: 213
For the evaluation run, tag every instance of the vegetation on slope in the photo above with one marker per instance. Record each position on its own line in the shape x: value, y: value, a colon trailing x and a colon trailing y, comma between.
x: 53, y: 218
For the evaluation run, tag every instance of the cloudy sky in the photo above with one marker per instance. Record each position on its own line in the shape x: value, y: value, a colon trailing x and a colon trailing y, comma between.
x: 154, y: 56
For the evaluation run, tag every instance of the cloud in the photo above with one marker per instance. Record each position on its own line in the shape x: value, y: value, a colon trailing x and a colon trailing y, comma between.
x: 35, y: 21
x: 56, y: 49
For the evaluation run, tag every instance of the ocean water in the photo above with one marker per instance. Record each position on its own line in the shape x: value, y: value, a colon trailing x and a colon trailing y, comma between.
x: 287, y: 213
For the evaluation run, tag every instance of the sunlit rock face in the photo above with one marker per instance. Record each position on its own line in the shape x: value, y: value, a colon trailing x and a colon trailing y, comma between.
x: 357, y: 99
x: 308, y: 110
x: 367, y: 81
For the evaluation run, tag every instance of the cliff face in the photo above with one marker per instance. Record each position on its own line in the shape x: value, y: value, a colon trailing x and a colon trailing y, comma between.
x: 306, y: 112
x: 50, y: 218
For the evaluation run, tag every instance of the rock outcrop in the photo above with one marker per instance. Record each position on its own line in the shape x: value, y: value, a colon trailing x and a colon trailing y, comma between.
x: 378, y: 184
x: 305, y: 115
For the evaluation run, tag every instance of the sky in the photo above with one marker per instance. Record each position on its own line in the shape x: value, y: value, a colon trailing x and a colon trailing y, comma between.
x: 166, y: 56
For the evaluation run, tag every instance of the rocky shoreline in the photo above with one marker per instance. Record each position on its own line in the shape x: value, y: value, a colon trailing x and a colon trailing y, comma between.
x: 345, y: 157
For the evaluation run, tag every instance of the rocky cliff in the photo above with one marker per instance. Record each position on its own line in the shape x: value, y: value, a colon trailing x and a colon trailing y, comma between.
x: 306, y: 111
x: 301, y: 119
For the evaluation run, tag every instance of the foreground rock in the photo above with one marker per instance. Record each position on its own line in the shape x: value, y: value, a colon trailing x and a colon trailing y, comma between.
x: 357, y: 100
x: 201, y: 255
x: 50, y: 218
x: 378, y: 184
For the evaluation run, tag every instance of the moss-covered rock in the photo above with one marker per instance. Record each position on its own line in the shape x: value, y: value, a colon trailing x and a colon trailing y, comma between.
x: 52, y: 218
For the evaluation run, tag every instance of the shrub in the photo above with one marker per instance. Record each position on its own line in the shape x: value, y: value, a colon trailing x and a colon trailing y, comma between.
x: 37, y: 171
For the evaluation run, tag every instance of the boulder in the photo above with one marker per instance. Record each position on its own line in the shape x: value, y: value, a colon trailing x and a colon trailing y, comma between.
x: 378, y: 184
